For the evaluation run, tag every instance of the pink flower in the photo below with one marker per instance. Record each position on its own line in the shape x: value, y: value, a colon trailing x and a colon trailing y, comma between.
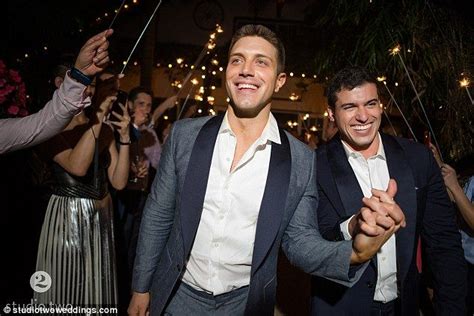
x: 13, y: 109
x: 15, y: 76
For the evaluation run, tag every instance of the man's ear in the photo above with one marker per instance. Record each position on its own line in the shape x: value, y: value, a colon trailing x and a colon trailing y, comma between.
x: 58, y: 80
x: 280, y: 81
x: 331, y: 114
x: 130, y: 106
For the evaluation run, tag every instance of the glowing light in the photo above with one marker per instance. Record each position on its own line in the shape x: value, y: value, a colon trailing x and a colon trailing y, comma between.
x: 126, y: 6
x: 214, y: 72
x: 194, y: 81
x: 165, y: 117
x: 314, y: 128
x: 294, y: 96
x: 215, y: 62
x: 45, y: 48
x: 201, y: 90
x: 180, y: 86
x: 200, y: 110
x: 219, y: 28
x: 197, y: 97
x: 314, y: 76
x: 303, y: 75
x: 291, y: 74
x: 26, y: 55
x: 135, y: 63
x: 203, y: 67
x: 170, y: 65
x: 213, y: 87
x: 203, y: 76
x: 179, y: 61
x: 326, y: 114
x: 106, y: 14
x: 227, y: 100
x: 464, y: 82
x: 381, y: 78
x: 306, y: 116
x: 212, y: 36
x: 394, y: 51
x: 192, y: 66
x: 221, y: 69
x: 396, y: 84
x: 211, y: 45
x: 210, y: 99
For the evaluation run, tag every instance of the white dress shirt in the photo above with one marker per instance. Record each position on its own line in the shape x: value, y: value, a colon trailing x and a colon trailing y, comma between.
x: 373, y: 173
x: 221, y: 256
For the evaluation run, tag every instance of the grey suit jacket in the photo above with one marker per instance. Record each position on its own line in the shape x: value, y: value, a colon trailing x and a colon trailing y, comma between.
x: 287, y: 217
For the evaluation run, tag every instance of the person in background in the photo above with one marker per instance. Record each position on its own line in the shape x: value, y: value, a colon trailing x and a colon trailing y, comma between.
x: 67, y: 101
x: 76, y: 245
x: 464, y: 201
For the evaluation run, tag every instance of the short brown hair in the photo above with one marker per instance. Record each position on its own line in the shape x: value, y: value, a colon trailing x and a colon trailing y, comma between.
x: 265, y: 33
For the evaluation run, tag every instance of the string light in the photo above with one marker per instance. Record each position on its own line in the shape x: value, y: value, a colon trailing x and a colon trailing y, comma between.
x: 179, y: 61
x: 194, y: 81
x: 170, y: 66
x: 294, y: 97
x: 165, y: 117
x: 221, y: 69
x: 291, y: 74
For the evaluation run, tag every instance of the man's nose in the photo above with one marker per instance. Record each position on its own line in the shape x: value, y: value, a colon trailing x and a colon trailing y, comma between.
x: 247, y: 69
x: 362, y: 114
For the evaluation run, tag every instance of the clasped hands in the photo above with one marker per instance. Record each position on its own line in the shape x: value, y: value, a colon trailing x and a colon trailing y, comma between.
x: 375, y: 223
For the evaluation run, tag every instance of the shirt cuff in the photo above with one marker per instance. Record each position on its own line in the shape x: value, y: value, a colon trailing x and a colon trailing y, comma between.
x: 344, y: 226
x: 73, y: 93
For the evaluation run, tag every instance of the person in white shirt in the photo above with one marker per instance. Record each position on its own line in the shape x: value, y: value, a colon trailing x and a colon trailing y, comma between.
x: 68, y: 100
x: 230, y: 190
x: 356, y: 163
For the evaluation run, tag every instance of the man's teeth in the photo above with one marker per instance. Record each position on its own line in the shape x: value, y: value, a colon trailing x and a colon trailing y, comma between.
x: 246, y: 86
x: 361, y: 127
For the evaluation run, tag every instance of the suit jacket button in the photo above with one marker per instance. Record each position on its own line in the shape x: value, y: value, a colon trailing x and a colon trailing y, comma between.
x: 370, y: 285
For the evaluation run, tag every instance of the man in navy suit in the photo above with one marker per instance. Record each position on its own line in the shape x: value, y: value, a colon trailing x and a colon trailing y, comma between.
x: 229, y: 191
x: 358, y: 160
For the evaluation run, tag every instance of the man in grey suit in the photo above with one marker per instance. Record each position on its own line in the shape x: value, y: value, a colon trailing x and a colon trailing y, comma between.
x: 229, y: 191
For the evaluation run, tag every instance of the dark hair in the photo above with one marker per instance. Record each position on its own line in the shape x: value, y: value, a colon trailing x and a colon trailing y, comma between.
x: 265, y: 33
x: 133, y: 94
x: 347, y: 78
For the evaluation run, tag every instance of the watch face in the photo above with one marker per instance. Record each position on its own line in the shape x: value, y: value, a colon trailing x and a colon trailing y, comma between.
x: 207, y: 14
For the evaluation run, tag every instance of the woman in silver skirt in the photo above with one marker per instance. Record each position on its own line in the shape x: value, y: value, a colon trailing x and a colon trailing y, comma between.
x: 76, y: 246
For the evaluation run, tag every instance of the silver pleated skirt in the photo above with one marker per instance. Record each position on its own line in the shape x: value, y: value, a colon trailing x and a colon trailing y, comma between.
x: 76, y: 248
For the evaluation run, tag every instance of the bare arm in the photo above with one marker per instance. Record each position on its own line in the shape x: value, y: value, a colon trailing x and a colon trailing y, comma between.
x: 466, y: 207
x: 120, y: 162
x: 165, y: 105
x: 78, y: 159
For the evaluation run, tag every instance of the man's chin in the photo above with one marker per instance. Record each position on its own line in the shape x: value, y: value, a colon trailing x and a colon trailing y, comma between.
x: 250, y: 112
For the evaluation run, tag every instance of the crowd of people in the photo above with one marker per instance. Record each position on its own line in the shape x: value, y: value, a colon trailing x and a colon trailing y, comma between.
x: 189, y: 218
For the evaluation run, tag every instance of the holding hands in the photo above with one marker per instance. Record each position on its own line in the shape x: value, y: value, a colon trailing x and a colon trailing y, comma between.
x: 376, y: 222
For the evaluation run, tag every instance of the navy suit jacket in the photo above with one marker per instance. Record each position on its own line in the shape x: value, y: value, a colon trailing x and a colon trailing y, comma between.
x: 286, y: 218
x: 423, y: 198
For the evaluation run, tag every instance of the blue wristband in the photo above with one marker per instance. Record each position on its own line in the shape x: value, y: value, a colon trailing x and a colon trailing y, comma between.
x: 79, y: 76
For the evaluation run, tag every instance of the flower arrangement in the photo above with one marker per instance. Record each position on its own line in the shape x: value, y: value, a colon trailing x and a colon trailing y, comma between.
x: 12, y: 93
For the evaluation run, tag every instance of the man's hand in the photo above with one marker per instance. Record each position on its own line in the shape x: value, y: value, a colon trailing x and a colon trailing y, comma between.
x: 139, y: 304
x: 450, y: 177
x: 94, y: 56
x: 377, y: 221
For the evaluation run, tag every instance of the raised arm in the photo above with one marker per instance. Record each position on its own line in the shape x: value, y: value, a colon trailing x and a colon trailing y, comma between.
x: 23, y: 132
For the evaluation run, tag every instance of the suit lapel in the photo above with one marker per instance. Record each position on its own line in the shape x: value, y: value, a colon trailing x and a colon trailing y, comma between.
x: 273, y: 201
x: 347, y: 185
x: 401, y: 171
x: 195, y: 183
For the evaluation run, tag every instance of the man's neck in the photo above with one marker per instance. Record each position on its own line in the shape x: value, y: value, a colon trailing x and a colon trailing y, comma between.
x: 248, y: 128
